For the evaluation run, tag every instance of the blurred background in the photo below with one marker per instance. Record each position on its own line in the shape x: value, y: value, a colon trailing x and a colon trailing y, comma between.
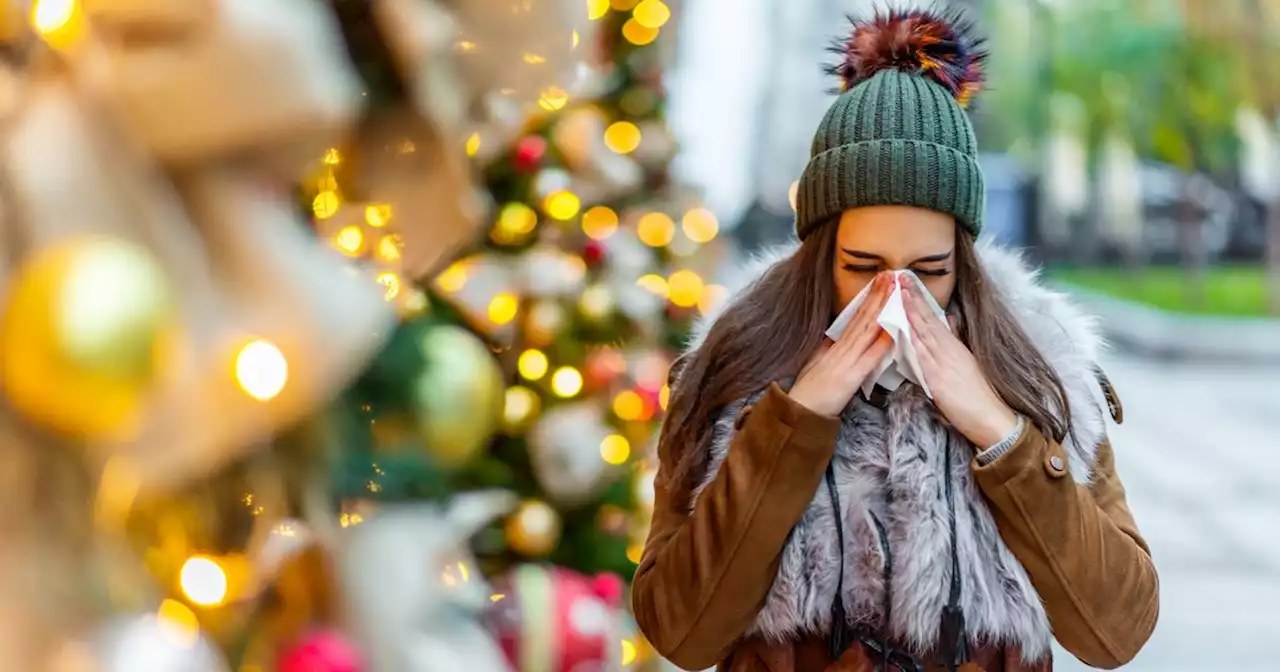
x: 336, y: 334
x: 1130, y: 147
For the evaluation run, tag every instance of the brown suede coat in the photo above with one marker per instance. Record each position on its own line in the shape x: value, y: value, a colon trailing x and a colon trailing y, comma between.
x: 705, y: 573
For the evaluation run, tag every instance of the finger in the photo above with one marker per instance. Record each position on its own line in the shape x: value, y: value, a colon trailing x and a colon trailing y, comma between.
x: 865, y: 311
x: 884, y: 288
x: 923, y: 321
x: 871, y: 356
x: 928, y: 365
x: 864, y: 320
x: 916, y: 304
x: 919, y: 326
x: 823, y: 348
x: 858, y: 347
x: 874, y: 302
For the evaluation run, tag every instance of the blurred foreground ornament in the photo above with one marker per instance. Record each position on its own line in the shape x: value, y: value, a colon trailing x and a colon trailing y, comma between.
x: 534, y: 529
x: 408, y: 150
x: 321, y: 651
x: 252, y: 75
x: 459, y: 395
x: 156, y: 644
x: 554, y: 620
x: 565, y: 448
x: 256, y: 294
x: 80, y: 336
x: 413, y: 594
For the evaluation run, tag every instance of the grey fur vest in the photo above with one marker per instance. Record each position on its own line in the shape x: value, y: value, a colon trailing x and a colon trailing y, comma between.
x: 890, y: 463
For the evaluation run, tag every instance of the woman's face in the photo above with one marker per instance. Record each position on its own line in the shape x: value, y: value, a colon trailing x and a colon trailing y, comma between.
x: 894, y: 237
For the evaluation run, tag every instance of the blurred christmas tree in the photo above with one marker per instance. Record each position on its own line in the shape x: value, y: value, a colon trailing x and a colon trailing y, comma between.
x: 174, y: 336
x: 537, y: 361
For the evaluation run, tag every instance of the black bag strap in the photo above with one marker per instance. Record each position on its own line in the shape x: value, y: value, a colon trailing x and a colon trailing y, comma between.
x: 840, y: 637
x: 952, y: 639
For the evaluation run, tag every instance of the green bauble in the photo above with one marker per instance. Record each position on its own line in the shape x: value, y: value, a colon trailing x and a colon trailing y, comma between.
x: 459, y: 395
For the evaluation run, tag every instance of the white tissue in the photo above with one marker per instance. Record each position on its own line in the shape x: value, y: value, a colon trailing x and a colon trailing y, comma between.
x: 901, y: 363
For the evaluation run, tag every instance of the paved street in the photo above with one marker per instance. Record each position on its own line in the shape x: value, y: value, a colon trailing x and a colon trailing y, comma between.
x: 1200, y: 455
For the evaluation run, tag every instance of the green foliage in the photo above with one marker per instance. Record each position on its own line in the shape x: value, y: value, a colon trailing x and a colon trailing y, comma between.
x: 1172, y: 91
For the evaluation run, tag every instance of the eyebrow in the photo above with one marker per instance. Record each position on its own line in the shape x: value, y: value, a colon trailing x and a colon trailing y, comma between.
x: 859, y: 254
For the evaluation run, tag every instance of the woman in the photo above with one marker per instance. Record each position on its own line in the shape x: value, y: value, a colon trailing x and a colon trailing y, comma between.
x: 976, y: 522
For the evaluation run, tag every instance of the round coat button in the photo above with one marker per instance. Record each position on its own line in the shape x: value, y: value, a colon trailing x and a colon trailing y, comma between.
x: 1056, y: 463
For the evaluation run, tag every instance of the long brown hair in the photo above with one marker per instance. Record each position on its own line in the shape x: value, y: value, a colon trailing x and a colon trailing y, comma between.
x: 774, y: 326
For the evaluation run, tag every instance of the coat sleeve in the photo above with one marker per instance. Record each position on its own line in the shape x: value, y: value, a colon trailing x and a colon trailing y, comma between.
x: 1080, y: 546
x: 705, y: 573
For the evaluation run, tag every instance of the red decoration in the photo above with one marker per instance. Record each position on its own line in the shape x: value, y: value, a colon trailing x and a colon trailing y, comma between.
x: 603, y: 366
x: 321, y: 651
x: 594, y: 253
x: 553, y: 619
x: 608, y: 587
x: 530, y: 151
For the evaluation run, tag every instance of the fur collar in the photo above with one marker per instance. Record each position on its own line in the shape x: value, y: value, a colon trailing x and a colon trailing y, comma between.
x: 889, y: 464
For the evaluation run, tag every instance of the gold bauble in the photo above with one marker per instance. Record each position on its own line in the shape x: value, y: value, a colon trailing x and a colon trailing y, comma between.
x: 460, y: 394
x: 81, y: 334
x: 534, y: 529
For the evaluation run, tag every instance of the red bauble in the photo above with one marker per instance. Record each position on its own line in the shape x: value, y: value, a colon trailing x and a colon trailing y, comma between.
x: 321, y: 651
x: 594, y: 253
x: 530, y: 151
x: 557, y: 620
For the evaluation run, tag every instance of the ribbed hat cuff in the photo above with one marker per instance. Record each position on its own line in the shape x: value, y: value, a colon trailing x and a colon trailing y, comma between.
x: 890, y: 172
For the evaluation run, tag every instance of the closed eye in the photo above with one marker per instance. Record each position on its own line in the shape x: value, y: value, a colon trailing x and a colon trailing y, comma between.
x: 936, y: 272
x: 863, y: 268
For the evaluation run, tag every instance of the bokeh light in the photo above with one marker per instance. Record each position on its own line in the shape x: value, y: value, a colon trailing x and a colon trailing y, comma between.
x: 615, y: 449
x: 622, y: 137
x: 700, y: 225
x: 656, y: 229
x: 503, y: 308
x: 638, y: 34
x: 261, y: 369
x: 686, y: 288
x: 203, y: 581
x: 566, y: 382
x: 651, y: 13
x: 599, y: 222
x: 562, y: 205
x: 532, y: 364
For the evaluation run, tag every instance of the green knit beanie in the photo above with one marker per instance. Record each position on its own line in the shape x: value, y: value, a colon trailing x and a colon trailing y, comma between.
x: 898, y: 134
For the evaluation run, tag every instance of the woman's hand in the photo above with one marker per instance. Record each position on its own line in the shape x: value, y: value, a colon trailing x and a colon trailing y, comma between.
x: 830, y: 379
x: 960, y: 390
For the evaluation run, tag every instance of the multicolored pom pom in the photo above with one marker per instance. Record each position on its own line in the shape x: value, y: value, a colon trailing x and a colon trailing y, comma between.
x: 941, y: 45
